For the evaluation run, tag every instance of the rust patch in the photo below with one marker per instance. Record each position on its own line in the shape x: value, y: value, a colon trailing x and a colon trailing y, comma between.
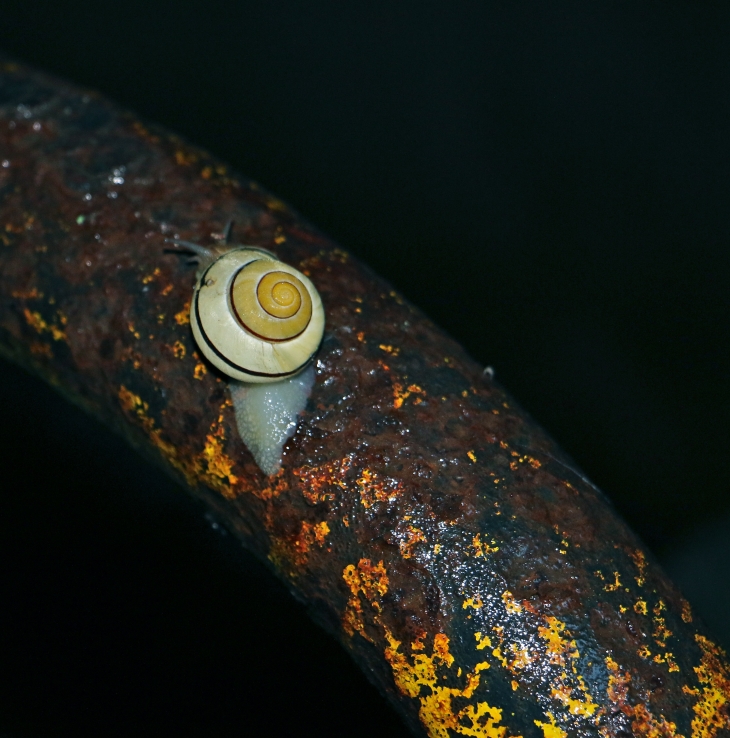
x: 643, y: 722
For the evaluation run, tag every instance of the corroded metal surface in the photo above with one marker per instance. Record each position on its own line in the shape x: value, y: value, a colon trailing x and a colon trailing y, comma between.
x: 478, y: 578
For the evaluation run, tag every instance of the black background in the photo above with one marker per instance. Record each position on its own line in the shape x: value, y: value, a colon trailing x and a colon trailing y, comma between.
x: 548, y: 181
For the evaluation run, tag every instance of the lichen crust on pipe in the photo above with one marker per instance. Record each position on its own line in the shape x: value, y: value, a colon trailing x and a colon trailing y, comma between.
x: 474, y: 573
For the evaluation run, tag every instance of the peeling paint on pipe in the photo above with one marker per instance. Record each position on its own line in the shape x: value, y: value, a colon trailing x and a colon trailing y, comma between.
x: 479, y: 579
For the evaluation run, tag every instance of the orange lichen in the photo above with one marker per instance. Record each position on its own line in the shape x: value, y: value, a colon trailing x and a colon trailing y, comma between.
x: 411, y: 537
x: 183, y: 317
x: 212, y: 466
x: 668, y: 659
x: 374, y: 489
x: 481, y: 548
x: 309, y: 535
x: 151, y: 277
x: 510, y: 603
x: 369, y: 581
x: 133, y: 330
x: 712, y: 709
x: 32, y: 294
x: 472, y: 456
x: 219, y: 465
x: 644, y: 652
x: 276, y: 485
x: 39, y: 325
x: 185, y: 158
x: 661, y: 633
x: 643, y: 722
x: 134, y: 404
x: 640, y: 563
x: 686, y: 612
x: 400, y: 395
x: 319, y: 482
x: 420, y: 677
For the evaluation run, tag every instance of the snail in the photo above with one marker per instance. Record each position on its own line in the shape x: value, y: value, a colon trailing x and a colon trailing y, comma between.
x: 260, y: 322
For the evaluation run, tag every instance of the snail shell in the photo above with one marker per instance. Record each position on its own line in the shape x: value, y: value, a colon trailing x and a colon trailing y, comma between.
x: 255, y: 318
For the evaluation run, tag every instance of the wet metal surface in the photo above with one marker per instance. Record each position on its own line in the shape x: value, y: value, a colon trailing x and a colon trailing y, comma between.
x: 476, y: 576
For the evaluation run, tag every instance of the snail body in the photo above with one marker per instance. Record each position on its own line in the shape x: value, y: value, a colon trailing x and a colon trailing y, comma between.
x: 260, y: 322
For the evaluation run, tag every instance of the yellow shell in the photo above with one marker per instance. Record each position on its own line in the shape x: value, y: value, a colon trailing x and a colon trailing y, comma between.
x: 256, y: 318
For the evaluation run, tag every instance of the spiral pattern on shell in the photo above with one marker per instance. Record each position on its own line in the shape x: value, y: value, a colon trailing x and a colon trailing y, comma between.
x: 256, y: 318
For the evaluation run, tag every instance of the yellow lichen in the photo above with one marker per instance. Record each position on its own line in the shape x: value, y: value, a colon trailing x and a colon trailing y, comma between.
x: 483, y: 641
x: 551, y: 729
x: 481, y: 548
x: 712, y: 707
x: 510, y: 603
x: 150, y: 277
x: 211, y: 466
x: 616, y: 583
x: 421, y: 676
x: 218, y: 463
x: 640, y: 563
x: 39, y: 325
x: 400, y: 395
x: 183, y: 317
x: 369, y: 581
